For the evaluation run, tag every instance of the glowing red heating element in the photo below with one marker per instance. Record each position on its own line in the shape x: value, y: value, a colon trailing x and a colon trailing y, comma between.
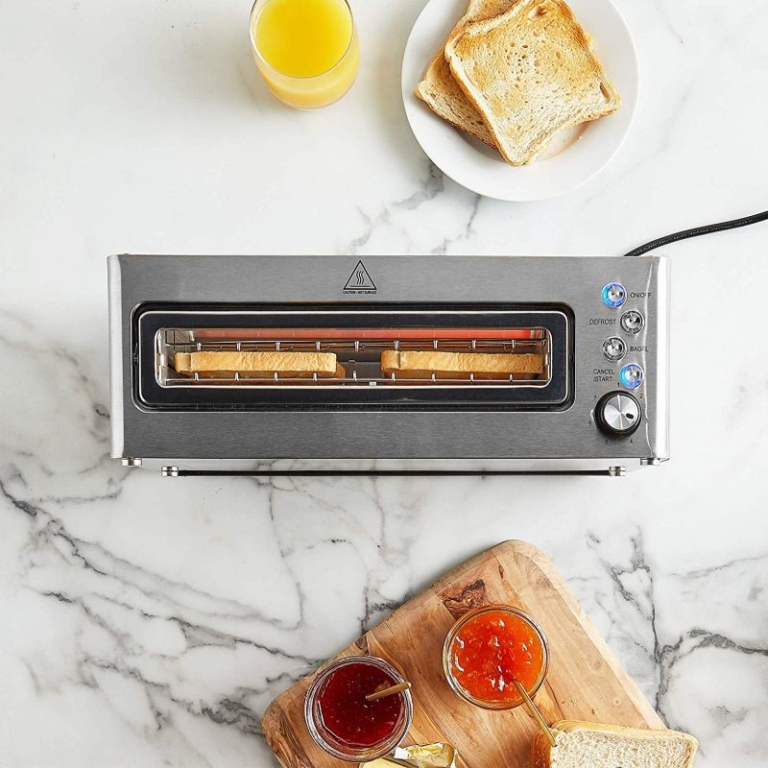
x: 384, y: 334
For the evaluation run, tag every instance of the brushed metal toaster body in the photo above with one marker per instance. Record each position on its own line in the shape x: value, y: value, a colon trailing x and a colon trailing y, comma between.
x: 599, y: 326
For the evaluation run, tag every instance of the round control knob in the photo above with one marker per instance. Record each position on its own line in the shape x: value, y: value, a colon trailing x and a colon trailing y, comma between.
x: 617, y: 414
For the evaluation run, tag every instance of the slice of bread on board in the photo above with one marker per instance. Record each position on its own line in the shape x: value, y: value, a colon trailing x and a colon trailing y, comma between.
x: 580, y: 744
x: 531, y: 73
x: 259, y: 365
x: 440, y: 91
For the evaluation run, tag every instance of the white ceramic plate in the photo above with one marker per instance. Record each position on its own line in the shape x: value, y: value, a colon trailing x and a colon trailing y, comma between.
x: 479, y: 168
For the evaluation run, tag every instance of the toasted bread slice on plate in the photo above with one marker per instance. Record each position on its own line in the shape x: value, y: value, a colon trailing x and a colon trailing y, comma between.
x: 531, y: 72
x: 439, y: 89
x: 579, y: 744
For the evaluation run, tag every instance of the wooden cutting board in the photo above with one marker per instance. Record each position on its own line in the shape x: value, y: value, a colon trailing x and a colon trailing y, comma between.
x: 585, y: 680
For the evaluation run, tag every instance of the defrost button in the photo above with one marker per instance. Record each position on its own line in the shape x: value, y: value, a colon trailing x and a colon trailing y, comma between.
x: 632, y: 321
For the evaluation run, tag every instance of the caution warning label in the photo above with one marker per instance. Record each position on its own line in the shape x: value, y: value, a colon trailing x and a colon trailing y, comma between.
x: 360, y: 281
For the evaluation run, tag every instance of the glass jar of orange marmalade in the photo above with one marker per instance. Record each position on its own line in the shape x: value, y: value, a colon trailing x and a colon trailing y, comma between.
x: 488, y: 649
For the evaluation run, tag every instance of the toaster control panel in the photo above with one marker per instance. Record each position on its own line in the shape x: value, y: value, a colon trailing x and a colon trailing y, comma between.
x: 618, y: 413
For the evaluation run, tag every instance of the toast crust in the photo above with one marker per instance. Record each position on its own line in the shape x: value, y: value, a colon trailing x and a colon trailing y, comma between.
x: 531, y: 73
x: 440, y: 91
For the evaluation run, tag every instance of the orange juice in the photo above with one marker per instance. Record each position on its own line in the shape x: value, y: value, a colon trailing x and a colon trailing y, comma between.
x: 307, y: 50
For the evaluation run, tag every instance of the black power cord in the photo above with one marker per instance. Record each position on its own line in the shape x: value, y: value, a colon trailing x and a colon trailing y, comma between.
x: 697, y: 231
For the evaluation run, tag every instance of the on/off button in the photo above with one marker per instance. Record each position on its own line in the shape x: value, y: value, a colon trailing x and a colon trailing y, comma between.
x: 614, y: 295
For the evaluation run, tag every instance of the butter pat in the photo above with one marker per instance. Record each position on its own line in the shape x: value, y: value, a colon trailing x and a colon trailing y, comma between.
x: 420, y: 756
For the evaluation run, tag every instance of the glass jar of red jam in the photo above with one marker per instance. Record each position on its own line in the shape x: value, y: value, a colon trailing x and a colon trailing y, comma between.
x: 344, y: 723
x: 488, y: 649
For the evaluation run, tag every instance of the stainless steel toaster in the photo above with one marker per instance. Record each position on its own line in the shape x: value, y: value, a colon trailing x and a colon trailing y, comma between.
x: 593, y: 401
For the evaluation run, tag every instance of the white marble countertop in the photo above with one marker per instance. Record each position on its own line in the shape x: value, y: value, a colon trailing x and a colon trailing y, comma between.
x: 148, y: 622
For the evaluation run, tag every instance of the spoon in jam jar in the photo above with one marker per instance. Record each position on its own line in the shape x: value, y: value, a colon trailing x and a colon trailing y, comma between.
x: 493, y: 656
x: 536, y: 713
x: 388, y: 691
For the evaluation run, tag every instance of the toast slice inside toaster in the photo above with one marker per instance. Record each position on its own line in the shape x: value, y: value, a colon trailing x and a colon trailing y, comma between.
x: 460, y: 365
x: 258, y: 365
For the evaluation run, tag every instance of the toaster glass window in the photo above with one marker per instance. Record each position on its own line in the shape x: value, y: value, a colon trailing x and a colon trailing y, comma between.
x: 373, y: 356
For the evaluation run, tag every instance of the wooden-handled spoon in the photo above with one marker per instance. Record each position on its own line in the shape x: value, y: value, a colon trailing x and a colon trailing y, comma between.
x: 392, y: 689
x: 536, y: 712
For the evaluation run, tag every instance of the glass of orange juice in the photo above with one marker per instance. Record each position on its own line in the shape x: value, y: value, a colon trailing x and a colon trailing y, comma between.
x: 306, y: 50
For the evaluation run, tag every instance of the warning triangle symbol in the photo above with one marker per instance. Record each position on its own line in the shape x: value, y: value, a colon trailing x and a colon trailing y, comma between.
x: 360, y: 280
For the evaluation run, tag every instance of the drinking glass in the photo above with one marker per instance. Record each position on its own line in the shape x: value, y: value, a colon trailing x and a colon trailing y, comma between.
x: 307, y: 51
